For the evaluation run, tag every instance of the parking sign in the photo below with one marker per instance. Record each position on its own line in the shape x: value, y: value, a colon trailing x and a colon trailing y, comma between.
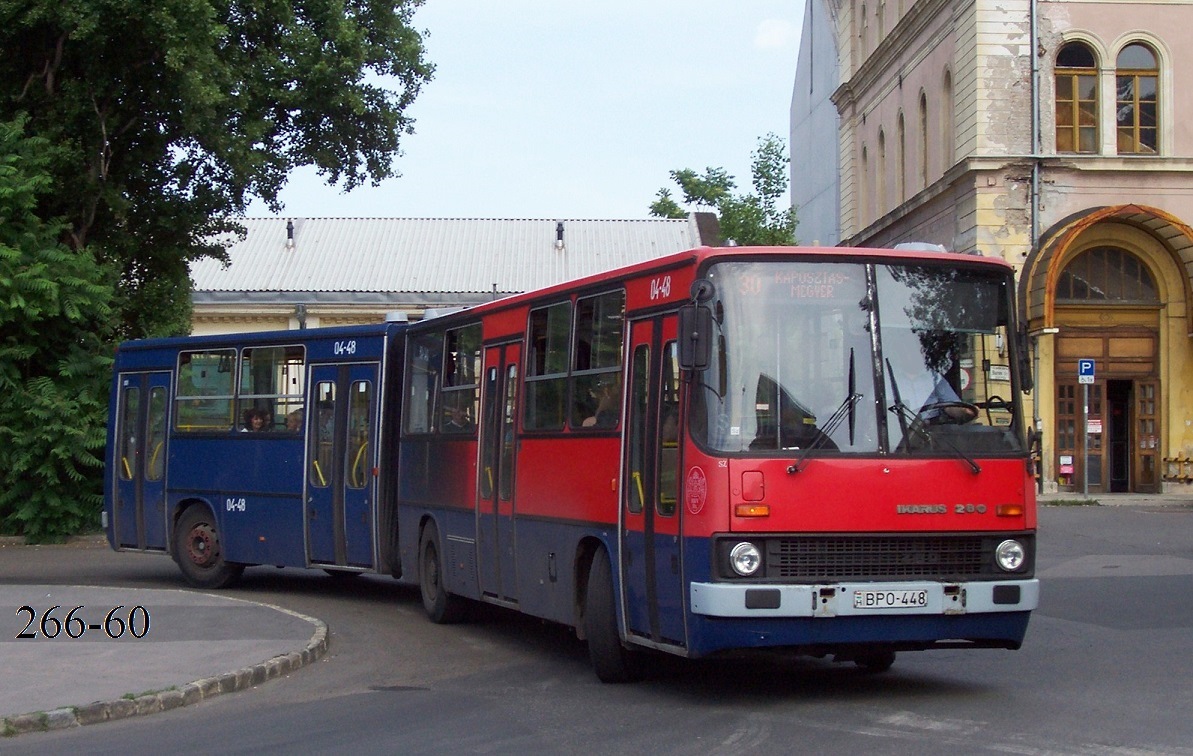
x: 1085, y: 371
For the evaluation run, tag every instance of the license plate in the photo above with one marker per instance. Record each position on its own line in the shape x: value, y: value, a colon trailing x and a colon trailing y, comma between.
x: 890, y: 599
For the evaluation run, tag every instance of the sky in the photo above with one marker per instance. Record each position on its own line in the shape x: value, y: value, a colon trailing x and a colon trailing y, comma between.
x: 567, y: 109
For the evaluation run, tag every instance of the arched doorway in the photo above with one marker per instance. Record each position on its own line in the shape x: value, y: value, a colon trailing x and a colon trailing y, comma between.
x: 1139, y: 335
x: 1108, y: 309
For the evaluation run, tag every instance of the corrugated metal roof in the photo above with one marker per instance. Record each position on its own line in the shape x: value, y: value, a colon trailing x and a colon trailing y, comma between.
x: 421, y: 255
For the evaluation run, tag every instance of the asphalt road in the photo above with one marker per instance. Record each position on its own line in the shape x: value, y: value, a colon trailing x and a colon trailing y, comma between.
x: 1107, y: 668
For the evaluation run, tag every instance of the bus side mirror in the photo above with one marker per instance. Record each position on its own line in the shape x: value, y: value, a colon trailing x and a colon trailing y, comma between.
x: 695, y: 336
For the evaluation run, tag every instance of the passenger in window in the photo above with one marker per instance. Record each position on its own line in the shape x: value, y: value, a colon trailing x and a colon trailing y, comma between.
x: 607, y: 395
x: 458, y: 421
x: 257, y: 420
x: 294, y: 421
x: 326, y: 423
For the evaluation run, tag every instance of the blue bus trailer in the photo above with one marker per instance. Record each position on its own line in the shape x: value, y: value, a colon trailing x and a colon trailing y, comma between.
x: 257, y: 449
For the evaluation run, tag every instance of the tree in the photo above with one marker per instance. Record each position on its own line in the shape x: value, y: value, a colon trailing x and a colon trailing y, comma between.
x: 748, y: 219
x: 54, y: 366
x: 155, y: 124
x: 168, y: 117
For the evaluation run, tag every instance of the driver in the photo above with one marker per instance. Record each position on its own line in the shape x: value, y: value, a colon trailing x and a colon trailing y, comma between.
x: 943, y: 404
x: 925, y: 391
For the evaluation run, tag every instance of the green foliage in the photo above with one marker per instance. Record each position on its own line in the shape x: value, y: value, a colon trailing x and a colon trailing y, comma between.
x: 749, y: 219
x: 665, y: 207
x: 168, y: 117
x: 54, y: 363
x: 154, y: 125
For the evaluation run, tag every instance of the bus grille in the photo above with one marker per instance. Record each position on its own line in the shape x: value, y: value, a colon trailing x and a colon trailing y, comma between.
x: 878, y: 557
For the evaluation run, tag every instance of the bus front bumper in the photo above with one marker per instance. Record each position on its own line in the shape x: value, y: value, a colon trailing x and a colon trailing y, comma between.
x: 864, y: 599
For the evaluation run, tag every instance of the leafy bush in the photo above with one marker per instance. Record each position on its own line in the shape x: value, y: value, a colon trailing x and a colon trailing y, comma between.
x: 55, y: 358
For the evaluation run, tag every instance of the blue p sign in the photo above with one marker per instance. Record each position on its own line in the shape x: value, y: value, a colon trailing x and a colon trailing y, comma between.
x: 1085, y: 371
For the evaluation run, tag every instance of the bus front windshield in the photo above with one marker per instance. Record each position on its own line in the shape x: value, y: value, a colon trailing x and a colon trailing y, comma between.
x: 820, y: 358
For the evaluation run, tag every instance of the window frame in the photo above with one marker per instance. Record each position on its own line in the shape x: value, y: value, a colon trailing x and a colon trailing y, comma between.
x: 1075, y: 76
x: 1132, y: 134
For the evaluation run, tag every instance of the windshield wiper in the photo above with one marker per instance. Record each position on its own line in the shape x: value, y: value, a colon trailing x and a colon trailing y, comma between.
x: 845, y: 409
x: 905, y: 414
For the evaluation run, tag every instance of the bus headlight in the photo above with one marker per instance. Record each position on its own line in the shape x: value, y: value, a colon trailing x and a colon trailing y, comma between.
x: 1010, y: 555
x: 745, y: 559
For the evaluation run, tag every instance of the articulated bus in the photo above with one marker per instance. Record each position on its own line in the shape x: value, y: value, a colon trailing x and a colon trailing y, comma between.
x: 804, y: 451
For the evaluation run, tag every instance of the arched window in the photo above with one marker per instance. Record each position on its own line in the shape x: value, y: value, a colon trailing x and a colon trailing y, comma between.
x: 946, y: 122
x: 1106, y: 274
x: 923, y: 140
x: 901, y: 160
x: 864, y: 34
x: 880, y: 181
x: 1136, y: 99
x: 863, y: 197
x: 1076, y: 99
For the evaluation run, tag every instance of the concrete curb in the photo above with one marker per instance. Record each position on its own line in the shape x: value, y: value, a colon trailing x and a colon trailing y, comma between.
x: 191, y: 693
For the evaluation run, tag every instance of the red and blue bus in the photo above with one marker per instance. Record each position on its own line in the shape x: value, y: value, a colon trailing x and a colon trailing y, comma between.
x: 816, y: 451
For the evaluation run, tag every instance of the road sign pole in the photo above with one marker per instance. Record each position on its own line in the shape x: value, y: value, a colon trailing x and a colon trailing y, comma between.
x: 1085, y: 439
x: 1085, y: 376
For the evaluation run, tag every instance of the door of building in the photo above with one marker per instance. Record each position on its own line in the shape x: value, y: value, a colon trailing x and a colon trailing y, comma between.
x: 1121, y: 429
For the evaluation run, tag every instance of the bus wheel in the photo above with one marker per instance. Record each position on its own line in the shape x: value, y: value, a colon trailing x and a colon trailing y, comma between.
x: 442, y: 607
x: 612, y: 661
x: 876, y: 661
x: 198, y: 552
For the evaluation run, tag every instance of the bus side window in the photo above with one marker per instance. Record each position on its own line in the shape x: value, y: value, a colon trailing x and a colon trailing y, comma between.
x: 547, y: 366
x: 669, y: 432
x: 461, y: 376
x: 359, y: 401
x: 155, y: 465
x: 128, y: 433
x: 596, y: 369
x: 323, y: 442
x: 422, y: 381
x: 205, y: 390
x: 271, y: 386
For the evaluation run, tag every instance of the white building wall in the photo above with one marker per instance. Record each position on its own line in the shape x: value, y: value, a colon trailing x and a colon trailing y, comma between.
x: 815, y: 174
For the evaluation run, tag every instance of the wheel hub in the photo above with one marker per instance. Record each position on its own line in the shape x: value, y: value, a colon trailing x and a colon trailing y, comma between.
x: 203, y: 545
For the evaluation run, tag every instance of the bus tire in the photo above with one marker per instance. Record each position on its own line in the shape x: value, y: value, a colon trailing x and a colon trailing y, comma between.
x: 442, y: 607
x: 612, y: 661
x: 875, y: 662
x: 198, y: 551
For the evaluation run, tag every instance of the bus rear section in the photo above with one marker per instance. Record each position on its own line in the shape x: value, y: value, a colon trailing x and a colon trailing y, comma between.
x: 254, y: 449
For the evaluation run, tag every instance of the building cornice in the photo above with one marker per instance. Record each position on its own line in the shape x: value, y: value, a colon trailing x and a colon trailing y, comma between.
x: 877, y: 65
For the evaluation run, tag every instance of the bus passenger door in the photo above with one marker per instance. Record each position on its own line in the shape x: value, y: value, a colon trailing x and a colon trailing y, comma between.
x: 140, y: 506
x: 650, y: 545
x: 341, y: 448
x: 495, y: 479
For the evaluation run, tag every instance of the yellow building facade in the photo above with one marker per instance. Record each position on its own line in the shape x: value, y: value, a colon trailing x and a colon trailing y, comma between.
x: 1046, y: 134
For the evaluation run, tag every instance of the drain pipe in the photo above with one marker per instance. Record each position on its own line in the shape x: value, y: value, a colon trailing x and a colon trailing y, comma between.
x: 1034, y: 234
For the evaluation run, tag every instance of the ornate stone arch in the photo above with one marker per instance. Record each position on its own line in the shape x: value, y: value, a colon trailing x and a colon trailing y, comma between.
x: 1037, y: 283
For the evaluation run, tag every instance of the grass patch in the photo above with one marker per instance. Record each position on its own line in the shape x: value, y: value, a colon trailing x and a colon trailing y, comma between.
x: 135, y: 696
x: 1072, y: 503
